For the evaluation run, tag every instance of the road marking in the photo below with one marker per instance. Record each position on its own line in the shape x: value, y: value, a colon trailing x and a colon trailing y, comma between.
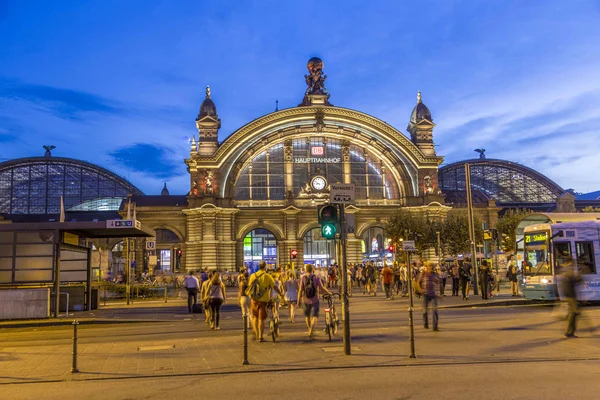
x: 155, y: 348
x: 340, y: 348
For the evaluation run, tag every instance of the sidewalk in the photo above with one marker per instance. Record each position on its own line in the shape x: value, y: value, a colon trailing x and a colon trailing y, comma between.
x: 180, y: 344
x: 176, y: 309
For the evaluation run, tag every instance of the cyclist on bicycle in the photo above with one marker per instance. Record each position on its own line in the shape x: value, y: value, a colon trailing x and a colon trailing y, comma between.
x: 310, y: 285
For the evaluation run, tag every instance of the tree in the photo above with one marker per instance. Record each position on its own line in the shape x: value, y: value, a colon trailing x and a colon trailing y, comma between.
x: 507, y: 228
x: 455, y: 232
x: 590, y: 209
x: 407, y: 225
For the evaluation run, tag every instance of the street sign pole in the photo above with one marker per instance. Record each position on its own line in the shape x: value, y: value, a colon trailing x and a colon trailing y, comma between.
x: 343, y: 194
x: 409, y: 247
x: 127, y: 272
x: 345, y: 304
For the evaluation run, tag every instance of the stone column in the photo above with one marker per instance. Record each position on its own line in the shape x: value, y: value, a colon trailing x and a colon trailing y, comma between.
x: 346, y: 171
x: 194, y: 240
x: 288, y: 153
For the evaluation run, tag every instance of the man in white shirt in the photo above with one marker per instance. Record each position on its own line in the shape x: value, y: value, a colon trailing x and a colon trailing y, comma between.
x: 192, y: 285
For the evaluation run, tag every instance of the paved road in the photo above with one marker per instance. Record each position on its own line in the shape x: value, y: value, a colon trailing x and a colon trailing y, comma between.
x: 548, y: 381
x: 180, y: 345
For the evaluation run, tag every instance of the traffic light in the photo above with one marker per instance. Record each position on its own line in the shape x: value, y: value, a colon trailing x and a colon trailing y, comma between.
x: 179, y: 253
x: 328, y: 218
x: 293, y: 254
x: 391, y: 248
x: 494, y: 234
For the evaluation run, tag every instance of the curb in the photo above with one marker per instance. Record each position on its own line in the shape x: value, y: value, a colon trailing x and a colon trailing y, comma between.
x: 69, y: 322
x: 501, y: 304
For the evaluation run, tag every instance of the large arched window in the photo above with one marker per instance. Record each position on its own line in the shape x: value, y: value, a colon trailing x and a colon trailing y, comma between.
x: 263, y: 177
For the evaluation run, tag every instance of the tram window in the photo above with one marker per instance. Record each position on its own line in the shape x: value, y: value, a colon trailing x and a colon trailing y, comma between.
x: 562, y: 253
x: 585, y: 257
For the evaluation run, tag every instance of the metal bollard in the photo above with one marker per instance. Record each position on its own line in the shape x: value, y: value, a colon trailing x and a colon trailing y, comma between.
x: 104, y: 295
x: 245, y: 319
x: 74, y: 366
x: 165, y: 294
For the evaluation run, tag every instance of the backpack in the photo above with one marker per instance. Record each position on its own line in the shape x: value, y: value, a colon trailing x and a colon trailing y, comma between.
x: 310, y: 290
x: 254, y: 291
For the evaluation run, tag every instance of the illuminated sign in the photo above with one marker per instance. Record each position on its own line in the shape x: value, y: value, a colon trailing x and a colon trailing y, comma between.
x: 536, y: 237
x: 324, y: 160
x: 317, y: 150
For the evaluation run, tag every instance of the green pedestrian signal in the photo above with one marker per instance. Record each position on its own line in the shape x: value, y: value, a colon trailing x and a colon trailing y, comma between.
x: 328, y: 231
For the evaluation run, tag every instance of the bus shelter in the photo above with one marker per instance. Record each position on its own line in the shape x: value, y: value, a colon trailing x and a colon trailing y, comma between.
x: 39, y: 261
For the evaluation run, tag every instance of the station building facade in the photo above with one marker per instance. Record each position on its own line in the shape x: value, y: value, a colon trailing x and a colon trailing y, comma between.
x: 254, y: 196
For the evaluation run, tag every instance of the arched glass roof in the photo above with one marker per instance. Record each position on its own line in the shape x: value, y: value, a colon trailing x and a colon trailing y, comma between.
x: 504, y: 181
x: 100, y: 204
x: 34, y: 185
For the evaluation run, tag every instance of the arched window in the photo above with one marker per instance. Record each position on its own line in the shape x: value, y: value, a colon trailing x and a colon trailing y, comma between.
x: 263, y: 177
x: 375, y: 245
x: 260, y: 245
x: 166, y: 236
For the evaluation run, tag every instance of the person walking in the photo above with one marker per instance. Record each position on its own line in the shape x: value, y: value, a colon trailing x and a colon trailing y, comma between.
x: 203, y: 295
x: 216, y: 296
x: 464, y: 273
x: 569, y: 282
x: 397, y: 284
x: 443, y: 275
x: 192, y: 286
x: 291, y: 293
x: 512, y: 274
x: 387, y: 278
x: 428, y: 284
x: 484, y: 279
x: 371, y: 278
x: 243, y: 299
x: 454, y: 273
x: 403, y: 279
x: 259, y: 291
x: 310, y: 288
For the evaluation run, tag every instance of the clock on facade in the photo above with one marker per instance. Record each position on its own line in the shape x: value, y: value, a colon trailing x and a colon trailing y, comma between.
x: 318, y: 183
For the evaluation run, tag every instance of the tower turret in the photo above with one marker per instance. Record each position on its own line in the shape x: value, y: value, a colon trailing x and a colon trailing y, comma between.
x: 208, y: 124
x: 421, y: 127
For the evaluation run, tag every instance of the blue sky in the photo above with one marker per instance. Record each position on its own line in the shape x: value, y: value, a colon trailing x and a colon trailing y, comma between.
x: 119, y: 82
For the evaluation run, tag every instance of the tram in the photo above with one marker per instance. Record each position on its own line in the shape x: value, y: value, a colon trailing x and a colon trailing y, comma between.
x: 548, y: 246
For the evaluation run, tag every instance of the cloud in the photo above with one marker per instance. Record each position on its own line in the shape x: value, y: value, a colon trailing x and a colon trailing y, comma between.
x: 155, y: 161
x: 67, y: 103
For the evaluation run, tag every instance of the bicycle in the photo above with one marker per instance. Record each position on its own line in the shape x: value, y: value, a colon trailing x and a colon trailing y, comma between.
x: 331, y: 320
x: 273, y: 321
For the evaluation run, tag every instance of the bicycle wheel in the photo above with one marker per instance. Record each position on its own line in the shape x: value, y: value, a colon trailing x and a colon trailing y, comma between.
x: 277, y: 327
x: 336, y: 324
x: 328, y: 325
x: 272, y: 330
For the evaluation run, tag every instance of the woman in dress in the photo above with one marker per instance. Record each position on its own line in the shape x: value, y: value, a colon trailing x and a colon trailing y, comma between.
x: 243, y: 299
x: 291, y: 293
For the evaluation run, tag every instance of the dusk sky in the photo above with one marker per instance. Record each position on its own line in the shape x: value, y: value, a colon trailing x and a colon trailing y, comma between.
x: 119, y: 82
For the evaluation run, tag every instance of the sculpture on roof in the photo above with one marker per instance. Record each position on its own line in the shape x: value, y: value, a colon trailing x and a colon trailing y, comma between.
x: 48, y: 150
x: 481, y: 153
x: 315, y: 80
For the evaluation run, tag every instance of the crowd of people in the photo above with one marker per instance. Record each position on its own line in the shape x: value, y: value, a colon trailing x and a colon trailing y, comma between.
x: 266, y: 291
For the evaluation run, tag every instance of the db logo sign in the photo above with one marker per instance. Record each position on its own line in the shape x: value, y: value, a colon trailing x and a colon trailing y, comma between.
x: 317, y: 150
